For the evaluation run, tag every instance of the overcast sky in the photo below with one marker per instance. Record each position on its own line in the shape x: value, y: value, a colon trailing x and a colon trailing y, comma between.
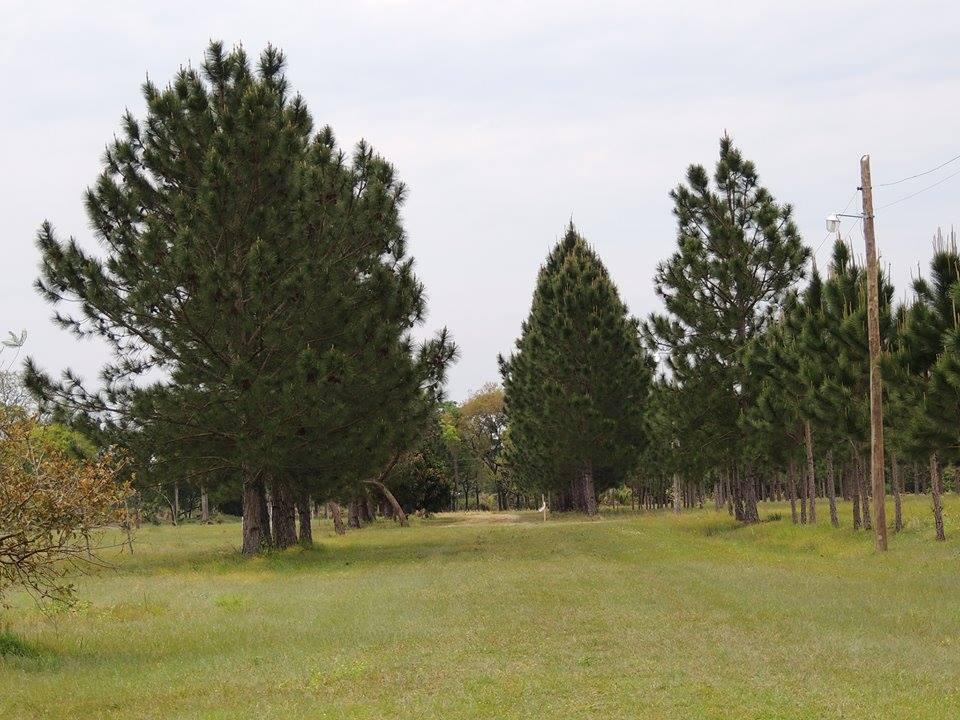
x: 506, y: 121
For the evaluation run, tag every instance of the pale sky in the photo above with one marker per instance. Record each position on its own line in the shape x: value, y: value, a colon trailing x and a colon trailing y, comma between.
x: 506, y: 120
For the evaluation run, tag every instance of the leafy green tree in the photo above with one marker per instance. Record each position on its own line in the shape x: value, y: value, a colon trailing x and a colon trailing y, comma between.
x: 577, y: 384
x: 738, y: 254
x: 483, y: 424
x: 261, y: 274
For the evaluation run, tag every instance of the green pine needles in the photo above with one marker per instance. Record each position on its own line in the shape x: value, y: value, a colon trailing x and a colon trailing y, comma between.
x: 577, y: 384
x: 261, y: 274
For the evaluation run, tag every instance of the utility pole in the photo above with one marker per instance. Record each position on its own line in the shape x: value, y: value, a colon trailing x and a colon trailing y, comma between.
x: 877, y: 478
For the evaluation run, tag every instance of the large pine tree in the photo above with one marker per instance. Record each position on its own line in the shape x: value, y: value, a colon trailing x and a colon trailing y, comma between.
x: 738, y: 253
x: 577, y: 384
x: 255, y: 290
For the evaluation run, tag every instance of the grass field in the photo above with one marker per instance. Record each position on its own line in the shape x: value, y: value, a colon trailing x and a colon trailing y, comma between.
x: 503, y: 616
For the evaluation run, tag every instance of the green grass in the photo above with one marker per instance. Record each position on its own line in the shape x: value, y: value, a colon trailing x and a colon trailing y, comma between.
x: 503, y: 616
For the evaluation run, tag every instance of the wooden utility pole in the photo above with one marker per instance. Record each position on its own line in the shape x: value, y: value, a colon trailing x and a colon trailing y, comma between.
x: 876, y: 383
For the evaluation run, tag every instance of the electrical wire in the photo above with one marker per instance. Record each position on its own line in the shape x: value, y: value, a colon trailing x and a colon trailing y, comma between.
x: 922, y: 190
x: 913, y: 177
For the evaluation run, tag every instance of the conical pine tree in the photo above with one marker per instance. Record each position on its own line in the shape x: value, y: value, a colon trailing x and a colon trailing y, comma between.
x: 577, y: 384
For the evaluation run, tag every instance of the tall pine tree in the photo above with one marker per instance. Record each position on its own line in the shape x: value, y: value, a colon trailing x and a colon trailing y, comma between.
x: 738, y: 254
x: 254, y: 288
x: 577, y: 384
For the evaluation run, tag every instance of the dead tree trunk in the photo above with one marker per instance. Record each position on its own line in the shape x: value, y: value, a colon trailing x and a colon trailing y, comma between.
x: 935, y: 492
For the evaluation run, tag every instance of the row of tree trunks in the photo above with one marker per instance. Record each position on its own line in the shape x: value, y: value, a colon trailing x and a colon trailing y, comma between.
x: 274, y: 523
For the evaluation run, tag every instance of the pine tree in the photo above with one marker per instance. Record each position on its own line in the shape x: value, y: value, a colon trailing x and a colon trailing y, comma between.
x: 577, y: 384
x: 924, y: 387
x: 262, y: 275
x: 739, y: 252
x: 842, y: 403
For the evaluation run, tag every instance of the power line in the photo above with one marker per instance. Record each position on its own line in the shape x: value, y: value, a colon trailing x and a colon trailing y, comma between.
x: 913, y: 177
x: 922, y: 190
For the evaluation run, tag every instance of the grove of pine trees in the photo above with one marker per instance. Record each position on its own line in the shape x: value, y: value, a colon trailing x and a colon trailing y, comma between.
x: 254, y: 286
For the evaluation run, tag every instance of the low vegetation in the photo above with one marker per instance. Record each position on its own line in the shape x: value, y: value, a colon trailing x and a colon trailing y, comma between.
x: 502, y: 615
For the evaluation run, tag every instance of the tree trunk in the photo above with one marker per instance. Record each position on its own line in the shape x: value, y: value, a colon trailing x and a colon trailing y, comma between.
x: 303, y: 510
x: 337, y: 516
x: 853, y: 485
x: 588, y: 493
x: 792, y: 489
x: 802, y: 477
x: 935, y: 492
x: 811, y: 473
x: 284, y: 517
x: 895, y: 482
x: 864, y: 494
x: 253, y: 529
x: 367, y: 510
x: 398, y: 512
x: 737, y: 486
x: 175, y: 508
x: 750, y: 512
x: 832, y: 491
x: 353, y: 513
x: 676, y: 493
x: 204, y: 505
